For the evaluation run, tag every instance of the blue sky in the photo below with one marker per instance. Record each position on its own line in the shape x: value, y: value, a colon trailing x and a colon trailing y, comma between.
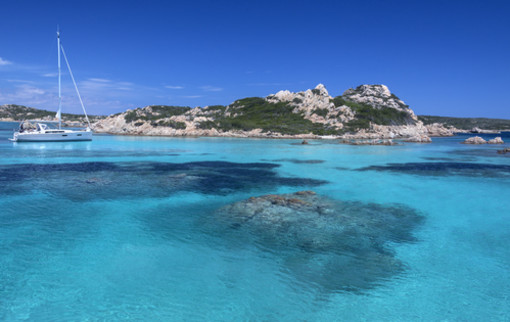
x: 448, y: 58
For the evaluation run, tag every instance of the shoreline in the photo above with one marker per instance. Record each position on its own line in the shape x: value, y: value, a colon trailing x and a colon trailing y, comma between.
x: 325, y: 137
x: 259, y: 135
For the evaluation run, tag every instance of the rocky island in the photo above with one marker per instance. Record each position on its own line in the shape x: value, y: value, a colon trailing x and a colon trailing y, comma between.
x: 365, y: 112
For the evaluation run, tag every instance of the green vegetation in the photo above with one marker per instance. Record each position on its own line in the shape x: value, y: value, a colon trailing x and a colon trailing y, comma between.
x: 366, y: 114
x: 321, y: 112
x: 168, y: 110
x: 297, y: 100
x: 383, y: 116
x: 464, y: 123
x: 158, y: 112
x: 217, y: 108
x: 256, y: 113
x: 169, y: 123
x: 130, y: 116
x: 338, y: 101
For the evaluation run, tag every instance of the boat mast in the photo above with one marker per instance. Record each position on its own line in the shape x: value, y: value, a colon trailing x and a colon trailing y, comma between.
x: 59, y: 85
x: 75, y: 86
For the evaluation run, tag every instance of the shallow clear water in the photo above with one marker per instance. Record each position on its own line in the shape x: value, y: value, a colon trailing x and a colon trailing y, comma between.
x: 124, y: 228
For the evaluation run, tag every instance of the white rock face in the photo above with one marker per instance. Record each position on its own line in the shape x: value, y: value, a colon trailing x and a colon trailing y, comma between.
x: 316, y: 105
x: 419, y: 139
x: 438, y: 129
x: 377, y: 96
x: 475, y: 140
x: 496, y: 140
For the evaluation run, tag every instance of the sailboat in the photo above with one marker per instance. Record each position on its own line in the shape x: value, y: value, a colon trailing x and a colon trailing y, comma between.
x: 42, y: 132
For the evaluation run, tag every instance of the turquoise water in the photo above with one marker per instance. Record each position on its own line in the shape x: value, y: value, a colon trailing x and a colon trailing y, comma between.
x: 120, y: 229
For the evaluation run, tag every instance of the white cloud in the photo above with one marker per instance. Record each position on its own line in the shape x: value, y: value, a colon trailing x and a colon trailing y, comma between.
x: 192, y: 96
x: 100, y: 80
x: 27, y: 95
x: 4, y: 62
x: 209, y: 88
x: 100, y: 95
x: 50, y: 75
x: 174, y: 87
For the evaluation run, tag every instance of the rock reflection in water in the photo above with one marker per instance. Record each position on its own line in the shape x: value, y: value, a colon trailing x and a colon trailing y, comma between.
x: 335, y: 245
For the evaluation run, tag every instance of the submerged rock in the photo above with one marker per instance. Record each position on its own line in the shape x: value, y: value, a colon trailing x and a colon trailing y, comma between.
x: 112, y: 180
x: 468, y: 169
x: 504, y: 151
x: 474, y: 140
x: 336, y: 245
x: 496, y: 140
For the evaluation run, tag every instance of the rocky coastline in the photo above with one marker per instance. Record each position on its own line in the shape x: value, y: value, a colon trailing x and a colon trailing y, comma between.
x: 367, y: 112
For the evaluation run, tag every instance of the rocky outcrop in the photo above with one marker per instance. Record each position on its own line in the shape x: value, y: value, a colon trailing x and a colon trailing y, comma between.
x: 504, y: 151
x: 364, y: 113
x: 316, y: 105
x: 477, y: 130
x: 369, y: 142
x: 439, y: 129
x: 377, y: 96
x: 400, y: 132
x: 496, y: 140
x: 419, y: 139
x: 474, y: 140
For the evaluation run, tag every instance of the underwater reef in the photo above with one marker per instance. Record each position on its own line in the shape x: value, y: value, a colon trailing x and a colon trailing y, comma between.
x: 330, y: 244
x: 113, y: 180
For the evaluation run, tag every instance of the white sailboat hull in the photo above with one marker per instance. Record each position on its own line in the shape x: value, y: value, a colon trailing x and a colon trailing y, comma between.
x: 57, y: 136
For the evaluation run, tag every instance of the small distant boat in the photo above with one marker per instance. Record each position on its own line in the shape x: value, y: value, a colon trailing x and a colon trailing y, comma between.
x: 41, y: 132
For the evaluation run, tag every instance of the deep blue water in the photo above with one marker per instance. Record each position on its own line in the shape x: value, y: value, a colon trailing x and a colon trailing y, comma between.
x: 129, y: 228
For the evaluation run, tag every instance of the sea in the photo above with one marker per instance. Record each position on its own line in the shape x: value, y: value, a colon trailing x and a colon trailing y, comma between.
x: 134, y: 228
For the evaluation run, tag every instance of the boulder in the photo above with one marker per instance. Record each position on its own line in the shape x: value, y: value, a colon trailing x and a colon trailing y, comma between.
x: 474, y: 140
x: 496, y: 140
x: 419, y: 139
x: 373, y: 142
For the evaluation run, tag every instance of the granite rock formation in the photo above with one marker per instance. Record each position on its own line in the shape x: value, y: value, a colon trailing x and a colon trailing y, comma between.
x: 496, y: 140
x: 474, y: 140
x: 366, y: 112
x: 419, y: 139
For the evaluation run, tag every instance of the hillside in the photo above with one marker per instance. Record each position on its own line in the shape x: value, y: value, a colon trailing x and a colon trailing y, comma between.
x: 12, y: 112
x: 366, y: 110
x: 464, y: 123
